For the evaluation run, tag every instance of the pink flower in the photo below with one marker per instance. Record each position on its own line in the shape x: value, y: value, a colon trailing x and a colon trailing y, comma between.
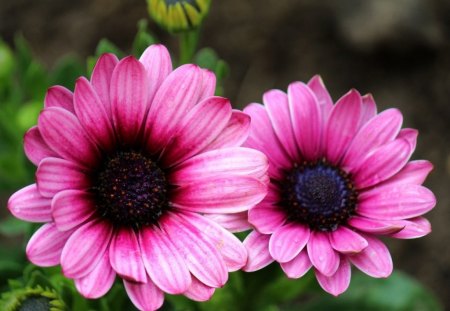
x: 127, y: 166
x: 340, y: 177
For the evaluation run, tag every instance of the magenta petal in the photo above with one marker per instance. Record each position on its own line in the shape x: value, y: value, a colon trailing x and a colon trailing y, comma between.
x: 409, y: 135
x: 45, y: 246
x: 208, y: 84
x: 35, y: 147
x: 347, y: 241
x: 287, y: 241
x: 221, y: 162
x: 125, y: 256
x: 93, y: 115
x: 396, y: 203
x: 257, y: 246
x: 101, y: 78
x: 322, y: 255
x: 413, y: 173
x: 232, y: 222
x: 176, y: 96
x: 202, y: 258
x: 414, y: 228
x: 85, y: 249
x: 325, y: 102
x: 297, y: 267
x: 342, y: 125
x: 374, y: 226
x: 163, y: 261
x: 63, y: 132
x: 200, y: 127
x: 379, y: 130
x: 29, y: 205
x: 99, y: 281
x: 338, y: 282
x: 234, y: 134
x: 59, y: 96
x: 71, y: 208
x: 277, y: 106
x: 199, y: 291
x: 375, y: 260
x: 54, y: 175
x: 266, y: 217
x: 220, y: 194
x: 383, y: 163
x: 129, y: 98
x: 157, y: 63
x: 306, y: 120
x: 145, y: 296
x: 368, y: 109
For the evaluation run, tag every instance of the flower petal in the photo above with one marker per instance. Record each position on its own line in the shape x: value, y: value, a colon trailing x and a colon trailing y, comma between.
x: 85, y: 249
x: 101, y: 78
x: 145, y: 296
x: 338, y: 282
x: 374, y: 226
x: 29, y: 205
x: 288, y: 241
x: 35, y: 147
x: 71, y: 208
x: 375, y: 260
x: 54, y: 175
x: 306, y: 120
x: 126, y: 257
x: 368, y: 109
x: 257, y: 246
x: 163, y: 262
x: 322, y: 255
x: 64, y: 134
x: 297, y: 267
x: 45, y: 246
x: 410, y: 135
x: 325, y: 102
x: 414, y: 228
x: 232, y: 222
x: 59, y: 96
x: 347, y: 241
x: 266, y: 217
x: 208, y: 84
x: 413, y: 173
x: 199, y: 291
x: 97, y: 282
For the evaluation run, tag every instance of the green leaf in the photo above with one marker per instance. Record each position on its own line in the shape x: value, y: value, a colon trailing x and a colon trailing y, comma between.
x: 206, y: 58
x: 12, y: 226
x: 7, y: 62
x: 66, y: 71
x: 143, y: 38
x: 106, y: 46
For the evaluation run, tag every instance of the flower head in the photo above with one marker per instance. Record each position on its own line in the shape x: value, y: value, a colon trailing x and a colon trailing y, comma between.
x: 128, y: 165
x: 32, y: 298
x: 340, y: 177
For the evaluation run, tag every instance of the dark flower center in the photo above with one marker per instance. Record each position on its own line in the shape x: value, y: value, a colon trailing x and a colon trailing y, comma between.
x: 131, y: 190
x: 37, y: 303
x: 318, y: 194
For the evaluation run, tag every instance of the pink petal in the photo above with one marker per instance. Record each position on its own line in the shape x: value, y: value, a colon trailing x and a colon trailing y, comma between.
x: 176, y: 96
x: 202, y: 125
x: 202, y: 258
x: 383, y: 163
x: 59, y: 96
x: 157, y: 63
x: 396, y: 203
x: 97, y: 282
x: 29, y: 205
x: 338, y: 282
x: 277, y: 106
x: 322, y: 255
x: 220, y: 194
x: 325, y: 102
x: 45, y: 246
x: 368, y: 109
x: 54, y: 175
x: 234, y: 134
x: 35, y: 147
x: 410, y: 135
x: 257, y: 245
x: 306, y: 120
x: 232, y: 222
x: 93, y: 115
x: 266, y: 217
x: 342, y: 125
x: 101, y: 78
x: 208, y: 84
x: 379, y: 130
x: 414, y: 228
x: 374, y: 226
x: 221, y: 162
x: 297, y: 267
x: 375, y: 260
x: 85, y: 249
x: 199, y: 291
x: 347, y: 241
x: 64, y: 134
x: 129, y: 98
x: 413, y: 173
x: 288, y: 241
x: 145, y: 296
x: 71, y: 208
x: 125, y: 256
x: 163, y: 262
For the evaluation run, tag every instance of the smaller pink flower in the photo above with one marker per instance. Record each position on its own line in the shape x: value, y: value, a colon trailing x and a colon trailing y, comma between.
x: 339, y: 178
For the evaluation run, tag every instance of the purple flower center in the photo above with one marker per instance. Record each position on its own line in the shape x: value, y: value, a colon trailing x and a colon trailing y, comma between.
x: 318, y: 194
x: 131, y: 190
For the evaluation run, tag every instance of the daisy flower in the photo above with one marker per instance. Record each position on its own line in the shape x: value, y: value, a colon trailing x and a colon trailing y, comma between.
x: 128, y: 165
x: 339, y: 178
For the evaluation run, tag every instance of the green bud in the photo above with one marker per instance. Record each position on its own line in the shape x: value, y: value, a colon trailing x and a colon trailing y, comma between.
x: 31, y: 299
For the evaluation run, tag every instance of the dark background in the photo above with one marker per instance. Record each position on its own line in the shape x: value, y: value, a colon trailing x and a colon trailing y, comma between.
x: 398, y: 50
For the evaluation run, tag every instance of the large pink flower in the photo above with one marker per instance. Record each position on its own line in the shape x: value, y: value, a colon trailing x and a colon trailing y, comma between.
x: 340, y: 177
x: 127, y: 167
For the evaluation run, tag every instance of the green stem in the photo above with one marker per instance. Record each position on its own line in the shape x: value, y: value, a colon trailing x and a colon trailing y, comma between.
x: 188, y: 45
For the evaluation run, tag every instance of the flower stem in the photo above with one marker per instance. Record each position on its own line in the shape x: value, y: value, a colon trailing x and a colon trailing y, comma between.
x: 188, y: 45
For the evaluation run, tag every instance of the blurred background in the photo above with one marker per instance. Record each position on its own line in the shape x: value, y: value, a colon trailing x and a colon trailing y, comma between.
x: 397, y: 50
